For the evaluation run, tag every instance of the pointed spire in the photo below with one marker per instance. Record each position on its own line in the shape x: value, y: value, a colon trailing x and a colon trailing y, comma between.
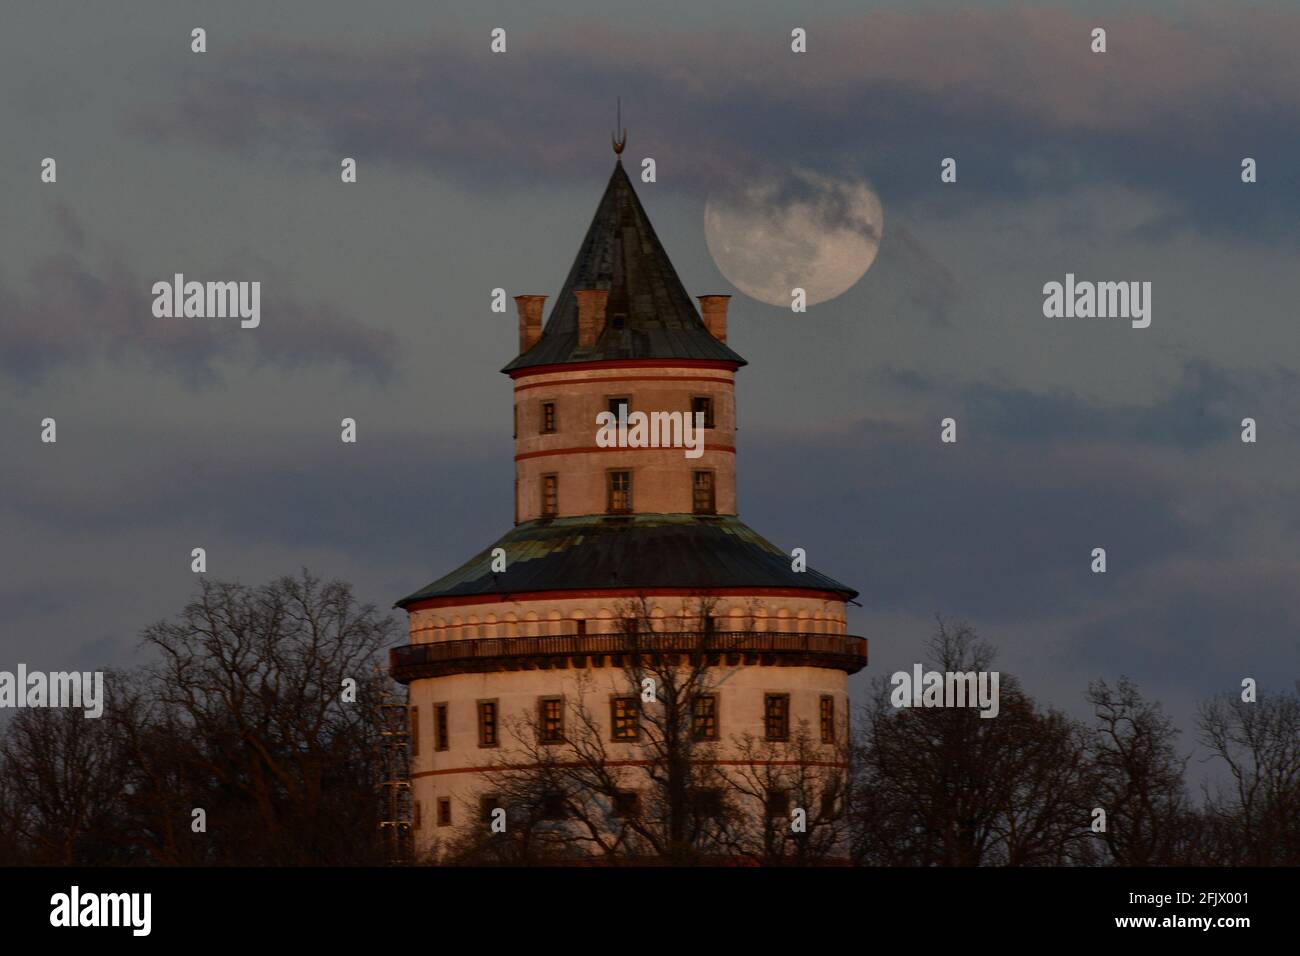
x: 647, y: 314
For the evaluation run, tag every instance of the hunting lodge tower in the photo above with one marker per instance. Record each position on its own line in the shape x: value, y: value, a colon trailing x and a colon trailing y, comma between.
x: 615, y: 551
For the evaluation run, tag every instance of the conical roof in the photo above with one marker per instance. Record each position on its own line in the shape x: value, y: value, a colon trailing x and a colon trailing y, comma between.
x: 649, y: 315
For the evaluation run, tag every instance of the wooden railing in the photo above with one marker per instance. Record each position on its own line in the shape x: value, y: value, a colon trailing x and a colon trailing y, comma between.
x: 441, y: 658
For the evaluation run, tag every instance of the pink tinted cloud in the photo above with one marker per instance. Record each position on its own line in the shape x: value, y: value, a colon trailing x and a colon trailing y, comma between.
x: 83, y: 303
x: 708, y: 101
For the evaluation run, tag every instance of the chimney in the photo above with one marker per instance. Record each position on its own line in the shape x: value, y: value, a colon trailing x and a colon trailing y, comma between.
x: 530, y: 320
x: 591, y: 315
x: 714, y: 310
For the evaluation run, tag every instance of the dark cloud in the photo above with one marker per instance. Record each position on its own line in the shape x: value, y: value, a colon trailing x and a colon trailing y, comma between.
x: 1227, y: 626
x: 1171, y: 108
x: 412, y: 498
x: 1204, y: 407
x: 99, y: 548
x: 82, y: 303
x: 1000, y: 526
x: 919, y: 284
x: 1000, y: 533
x: 996, y: 534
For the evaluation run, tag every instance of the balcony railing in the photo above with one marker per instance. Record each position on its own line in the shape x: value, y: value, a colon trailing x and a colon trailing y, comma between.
x: 792, y: 649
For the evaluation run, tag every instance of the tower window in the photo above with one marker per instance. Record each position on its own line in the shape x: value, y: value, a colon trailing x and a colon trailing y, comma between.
x: 778, y: 802
x: 548, y: 418
x: 487, y: 803
x: 828, y: 720
x: 776, y: 716
x: 440, y: 741
x: 704, y: 717
x: 702, y: 493
x: 626, y: 804
x: 616, y: 403
x: 550, y: 720
x: 623, y: 718
x: 702, y: 405
x: 550, y: 496
x: 829, y: 808
x: 709, y: 803
x: 620, y: 492
x: 487, y: 723
x: 553, y: 806
x: 444, y: 811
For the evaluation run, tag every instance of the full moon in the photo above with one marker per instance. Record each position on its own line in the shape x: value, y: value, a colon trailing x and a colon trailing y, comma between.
x: 791, y: 230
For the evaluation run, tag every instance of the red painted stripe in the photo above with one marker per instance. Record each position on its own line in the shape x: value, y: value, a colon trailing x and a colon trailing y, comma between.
x: 727, y: 449
x: 626, y: 378
x: 624, y: 363
x: 635, y: 763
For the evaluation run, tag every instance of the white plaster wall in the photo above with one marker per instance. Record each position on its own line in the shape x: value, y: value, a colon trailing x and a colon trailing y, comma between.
x: 456, y: 773
x: 661, y: 477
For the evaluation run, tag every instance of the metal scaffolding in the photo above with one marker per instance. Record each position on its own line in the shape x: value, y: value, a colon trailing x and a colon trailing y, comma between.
x: 395, y: 748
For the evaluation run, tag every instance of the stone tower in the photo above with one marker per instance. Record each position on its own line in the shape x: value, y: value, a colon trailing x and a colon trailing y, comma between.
x: 618, y: 555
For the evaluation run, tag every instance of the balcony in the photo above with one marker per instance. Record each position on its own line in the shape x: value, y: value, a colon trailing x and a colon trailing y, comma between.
x: 720, y: 648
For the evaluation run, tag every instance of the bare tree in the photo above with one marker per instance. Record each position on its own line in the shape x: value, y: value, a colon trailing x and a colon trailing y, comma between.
x: 1139, y: 778
x: 661, y: 796
x: 63, y: 780
x: 253, y: 678
x: 797, y: 794
x: 242, y: 716
x: 1259, y: 743
x: 13, y: 847
x: 946, y: 787
x: 164, y: 779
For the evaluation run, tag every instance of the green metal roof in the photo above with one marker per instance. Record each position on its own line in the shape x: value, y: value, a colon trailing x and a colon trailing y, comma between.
x: 648, y: 315
x: 632, y: 551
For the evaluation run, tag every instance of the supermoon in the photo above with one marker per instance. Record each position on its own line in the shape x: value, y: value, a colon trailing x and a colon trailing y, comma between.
x: 795, y: 229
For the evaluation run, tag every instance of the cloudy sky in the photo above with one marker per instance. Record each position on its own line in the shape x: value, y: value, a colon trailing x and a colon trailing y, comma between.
x: 478, y: 170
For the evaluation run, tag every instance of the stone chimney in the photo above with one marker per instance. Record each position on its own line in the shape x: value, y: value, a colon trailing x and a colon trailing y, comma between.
x: 591, y: 315
x: 714, y: 310
x: 530, y: 320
